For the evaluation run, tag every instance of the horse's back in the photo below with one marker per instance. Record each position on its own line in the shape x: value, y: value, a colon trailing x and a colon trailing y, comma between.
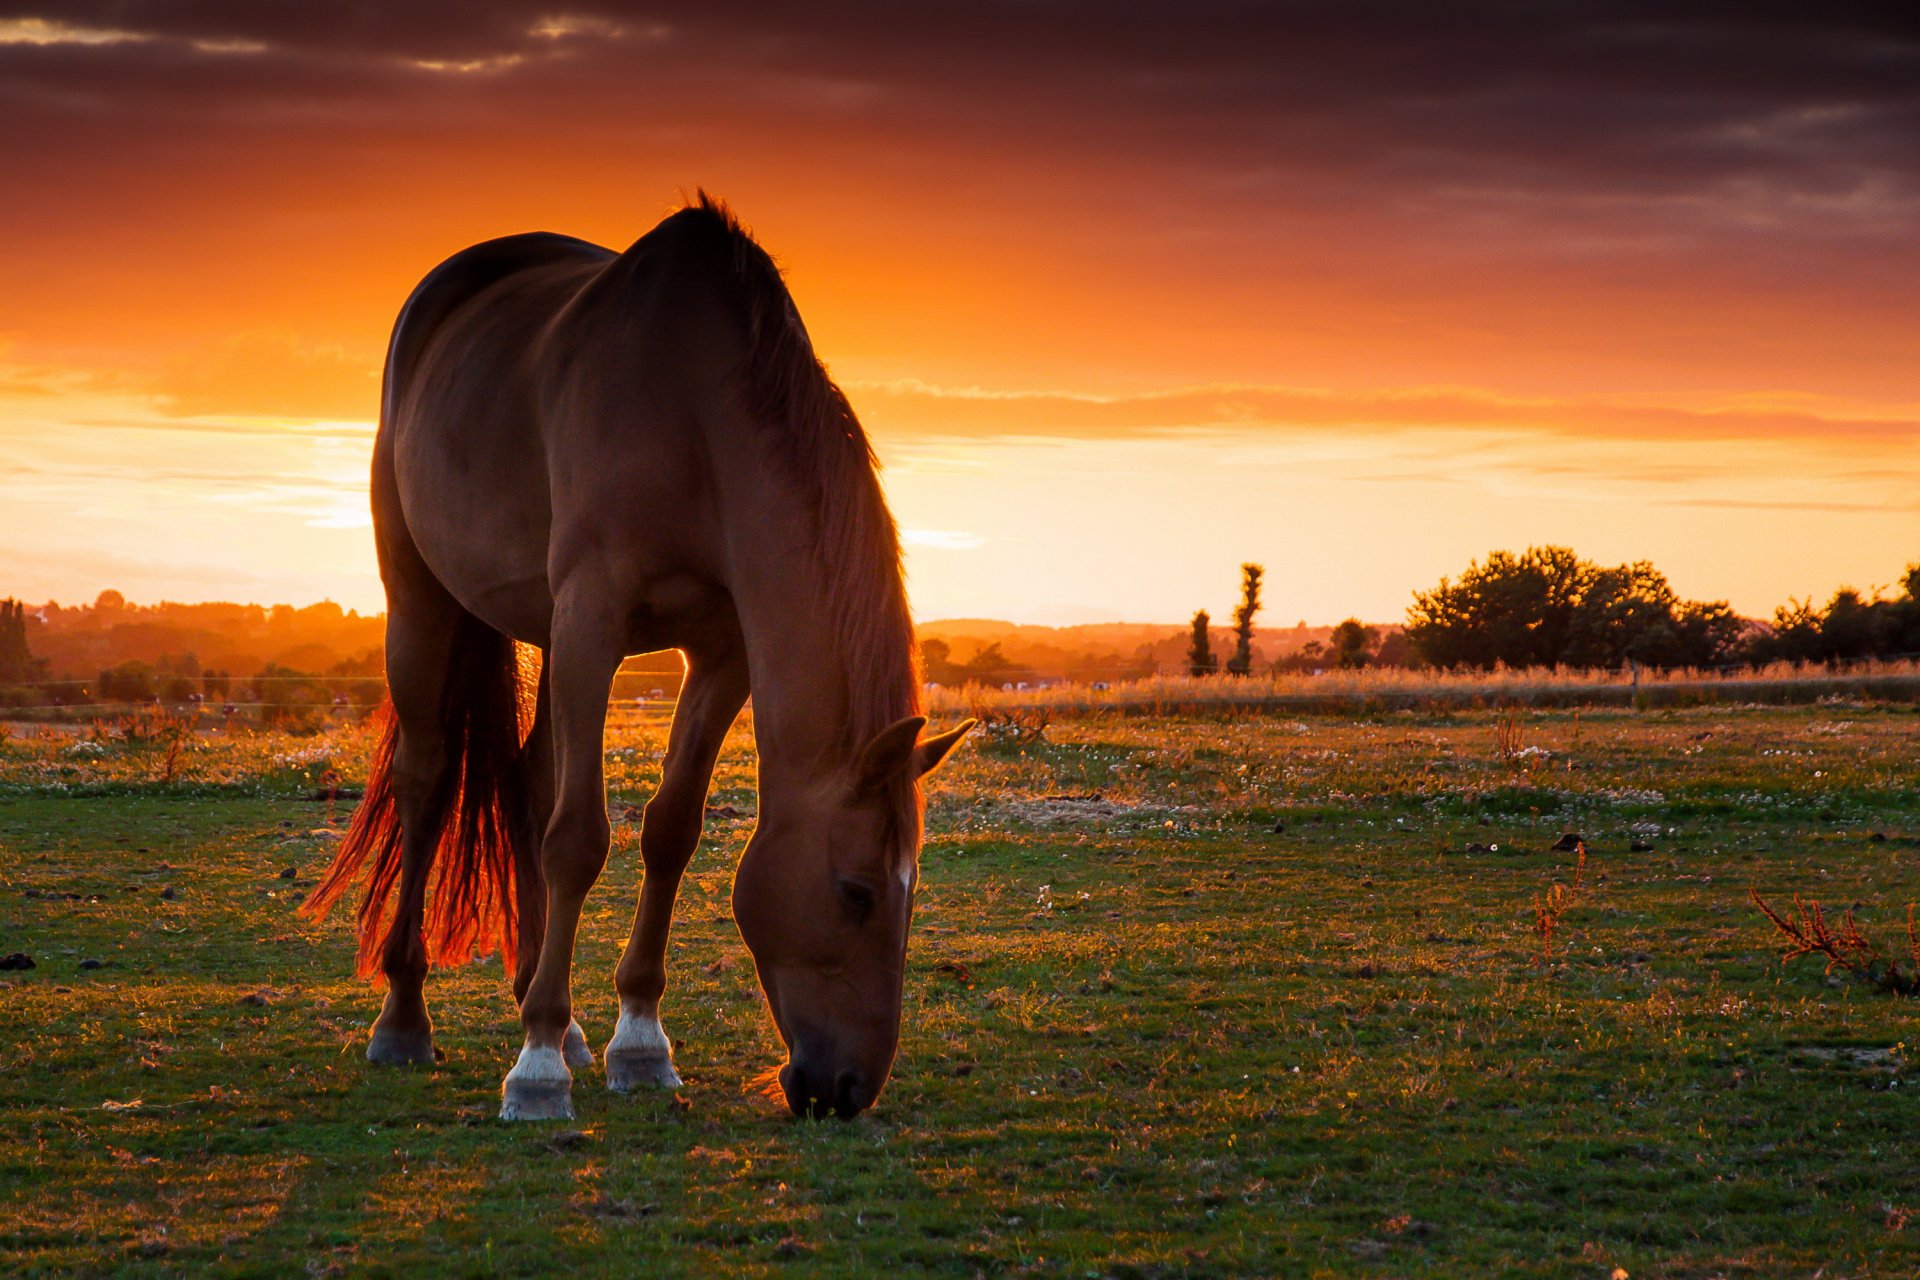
x: 548, y: 402
x: 459, y: 429
x: 464, y: 277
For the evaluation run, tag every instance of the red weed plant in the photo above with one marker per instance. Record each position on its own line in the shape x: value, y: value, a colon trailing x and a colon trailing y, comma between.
x: 1549, y: 907
x: 1847, y: 949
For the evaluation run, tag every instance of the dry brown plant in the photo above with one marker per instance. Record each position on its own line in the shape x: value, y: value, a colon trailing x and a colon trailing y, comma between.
x: 1547, y: 910
x: 1847, y: 949
x: 1549, y: 907
x: 1507, y: 740
x: 1012, y: 723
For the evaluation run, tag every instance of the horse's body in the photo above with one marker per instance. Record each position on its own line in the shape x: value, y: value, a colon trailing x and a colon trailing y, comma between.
x: 603, y: 454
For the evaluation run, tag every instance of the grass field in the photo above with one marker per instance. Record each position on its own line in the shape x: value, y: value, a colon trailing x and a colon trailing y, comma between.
x: 1203, y: 996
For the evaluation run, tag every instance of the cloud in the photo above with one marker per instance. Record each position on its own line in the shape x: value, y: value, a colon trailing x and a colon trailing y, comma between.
x: 906, y: 408
x: 271, y: 374
x: 272, y: 384
x: 943, y: 539
x: 40, y: 32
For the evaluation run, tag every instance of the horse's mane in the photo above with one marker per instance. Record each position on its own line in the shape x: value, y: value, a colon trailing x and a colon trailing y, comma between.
x: 828, y: 455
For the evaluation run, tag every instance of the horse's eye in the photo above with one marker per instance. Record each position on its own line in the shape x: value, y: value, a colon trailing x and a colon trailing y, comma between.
x: 856, y: 898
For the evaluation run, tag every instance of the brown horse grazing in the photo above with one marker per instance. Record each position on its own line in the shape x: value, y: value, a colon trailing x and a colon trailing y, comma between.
x: 599, y: 455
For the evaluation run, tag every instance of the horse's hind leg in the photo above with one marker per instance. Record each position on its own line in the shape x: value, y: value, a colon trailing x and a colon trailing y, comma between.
x: 421, y: 633
x: 532, y: 893
x: 585, y: 653
x: 640, y: 1053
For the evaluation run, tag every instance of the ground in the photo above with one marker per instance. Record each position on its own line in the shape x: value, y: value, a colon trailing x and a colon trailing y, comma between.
x: 1213, y: 997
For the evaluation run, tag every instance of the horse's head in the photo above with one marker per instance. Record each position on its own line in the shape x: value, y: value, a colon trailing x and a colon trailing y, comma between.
x: 823, y: 897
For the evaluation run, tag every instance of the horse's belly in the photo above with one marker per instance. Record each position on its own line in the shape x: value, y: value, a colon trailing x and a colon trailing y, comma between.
x: 475, y: 505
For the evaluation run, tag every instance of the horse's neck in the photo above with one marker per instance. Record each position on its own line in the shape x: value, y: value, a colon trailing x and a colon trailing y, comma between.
x: 799, y: 679
x: 784, y: 592
x: 800, y: 701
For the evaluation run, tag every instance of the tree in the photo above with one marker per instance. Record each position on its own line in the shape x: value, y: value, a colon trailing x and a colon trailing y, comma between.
x: 1852, y: 627
x: 1709, y: 634
x: 1622, y: 613
x: 17, y: 663
x: 937, y: 664
x: 1394, y: 651
x: 1242, y: 661
x: 290, y: 697
x: 1848, y: 626
x: 1794, y: 635
x: 1352, y: 644
x: 1548, y: 607
x: 989, y: 666
x: 1201, y: 660
x: 1516, y: 610
x: 128, y: 682
x: 1903, y: 615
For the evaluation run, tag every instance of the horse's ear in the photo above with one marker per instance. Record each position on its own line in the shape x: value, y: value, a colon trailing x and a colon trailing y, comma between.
x: 889, y: 754
x: 931, y: 751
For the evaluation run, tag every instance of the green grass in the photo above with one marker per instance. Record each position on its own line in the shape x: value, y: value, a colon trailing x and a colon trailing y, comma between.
x: 1146, y: 1034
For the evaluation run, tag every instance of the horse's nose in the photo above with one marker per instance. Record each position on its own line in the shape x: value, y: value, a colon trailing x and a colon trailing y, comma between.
x: 805, y: 1096
x: 808, y: 1093
x: 851, y: 1094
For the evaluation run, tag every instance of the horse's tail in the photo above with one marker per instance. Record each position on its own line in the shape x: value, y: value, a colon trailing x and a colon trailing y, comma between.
x: 485, y: 859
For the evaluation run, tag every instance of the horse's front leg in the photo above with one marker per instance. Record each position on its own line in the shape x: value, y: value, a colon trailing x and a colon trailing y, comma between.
x: 640, y: 1053
x: 584, y: 655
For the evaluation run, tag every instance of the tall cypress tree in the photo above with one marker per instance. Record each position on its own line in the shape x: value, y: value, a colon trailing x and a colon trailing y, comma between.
x: 1201, y: 660
x: 17, y: 663
x: 1242, y: 661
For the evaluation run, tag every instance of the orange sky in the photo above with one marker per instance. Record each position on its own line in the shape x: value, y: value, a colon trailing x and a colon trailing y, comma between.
x: 1358, y: 292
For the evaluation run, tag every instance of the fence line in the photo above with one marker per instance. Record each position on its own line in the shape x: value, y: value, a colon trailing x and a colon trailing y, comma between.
x: 1390, y: 687
x: 621, y: 711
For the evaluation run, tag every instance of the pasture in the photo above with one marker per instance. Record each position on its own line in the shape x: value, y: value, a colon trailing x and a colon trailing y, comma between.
x: 1214, y: 995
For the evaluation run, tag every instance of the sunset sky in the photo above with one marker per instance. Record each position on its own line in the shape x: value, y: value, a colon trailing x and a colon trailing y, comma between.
x: 1126, y: 294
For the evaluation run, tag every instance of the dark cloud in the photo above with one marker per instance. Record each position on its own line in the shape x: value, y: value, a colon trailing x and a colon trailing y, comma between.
x: 1729, y: 103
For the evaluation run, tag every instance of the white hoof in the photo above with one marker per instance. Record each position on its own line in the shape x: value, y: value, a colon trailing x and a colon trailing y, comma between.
x: 574, y: 1048
x: 538, y: 1088
x: 639, y: 1056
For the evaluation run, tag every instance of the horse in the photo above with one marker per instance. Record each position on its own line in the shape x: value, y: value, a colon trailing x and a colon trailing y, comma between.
x: 592, y: 455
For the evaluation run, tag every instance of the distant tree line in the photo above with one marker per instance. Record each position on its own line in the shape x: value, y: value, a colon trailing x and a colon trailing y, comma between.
x: 110, y: 652
x: 1850, y: 628
x: 1351, y: 645
x: 989, y: 666
x: 281, y: 693
x: 1548, y: 607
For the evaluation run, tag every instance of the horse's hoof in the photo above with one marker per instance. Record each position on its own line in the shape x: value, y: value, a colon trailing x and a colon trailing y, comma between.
x: 628, y: 1070
x: 392, y: 1047
x: 537, y: 1100
x: 640, y: 1056
x: 574, y: 1048
x: 538, y: 1088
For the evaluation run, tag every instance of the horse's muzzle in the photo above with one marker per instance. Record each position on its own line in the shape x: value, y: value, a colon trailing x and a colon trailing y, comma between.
x: 810, y: 1094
